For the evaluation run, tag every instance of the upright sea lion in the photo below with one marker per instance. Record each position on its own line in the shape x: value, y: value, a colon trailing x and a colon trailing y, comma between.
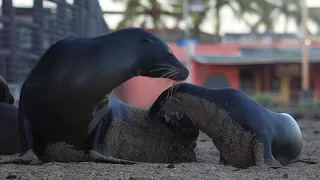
x: 62, y: 90
x: 5, y: 95
x: 245, y: 132
x: 128, y: 133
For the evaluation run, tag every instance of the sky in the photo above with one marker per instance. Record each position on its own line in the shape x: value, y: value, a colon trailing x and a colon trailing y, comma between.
x: 229, y: 24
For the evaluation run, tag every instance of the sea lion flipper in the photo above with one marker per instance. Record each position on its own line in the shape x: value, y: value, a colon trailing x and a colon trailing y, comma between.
x: 101, y: 111
x: 28, y: 158
x: 263, y: 154
x: 222, y: 161
x: 97, y: 157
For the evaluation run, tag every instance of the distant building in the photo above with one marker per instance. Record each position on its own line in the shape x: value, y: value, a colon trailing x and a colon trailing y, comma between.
x: 261, y: 37
x: 250, y: 67
x: 25, y: 33
x: 259, y: 68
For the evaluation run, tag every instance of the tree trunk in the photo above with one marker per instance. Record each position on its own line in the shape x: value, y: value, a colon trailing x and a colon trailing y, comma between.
x: 286, y: 23
x: 196, y: 28
x: 217, y: 18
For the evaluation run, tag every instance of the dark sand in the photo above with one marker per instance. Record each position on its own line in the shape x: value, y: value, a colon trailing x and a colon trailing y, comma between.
x: 206, y: 168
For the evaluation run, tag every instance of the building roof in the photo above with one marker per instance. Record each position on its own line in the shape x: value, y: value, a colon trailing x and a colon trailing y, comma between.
x: 253, y: 55
x: 248, y: 53
x: 206, y: 49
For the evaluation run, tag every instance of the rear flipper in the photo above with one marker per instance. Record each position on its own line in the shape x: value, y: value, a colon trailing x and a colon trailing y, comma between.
x: 28, y: 158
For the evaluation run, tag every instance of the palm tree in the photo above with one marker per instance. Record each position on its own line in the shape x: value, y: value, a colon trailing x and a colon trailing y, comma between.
x: 136, y: 8
x: 240, y: 8
x: 197, y: 18
x: 263, y: 9
x: 292, y: 9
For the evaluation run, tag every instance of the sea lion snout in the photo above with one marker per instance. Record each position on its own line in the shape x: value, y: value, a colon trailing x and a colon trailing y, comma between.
x: 183, y: 74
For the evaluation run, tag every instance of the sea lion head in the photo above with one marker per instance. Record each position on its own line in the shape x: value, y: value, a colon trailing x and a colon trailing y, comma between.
x: 287, y: 145
x: 157, y: 60
x: 5, y: 95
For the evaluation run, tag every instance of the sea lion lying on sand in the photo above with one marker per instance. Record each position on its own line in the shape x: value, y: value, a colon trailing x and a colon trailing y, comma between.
x: 244, y: 132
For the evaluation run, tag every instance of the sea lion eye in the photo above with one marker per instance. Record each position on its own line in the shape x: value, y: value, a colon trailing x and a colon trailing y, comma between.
x: 145, y: 39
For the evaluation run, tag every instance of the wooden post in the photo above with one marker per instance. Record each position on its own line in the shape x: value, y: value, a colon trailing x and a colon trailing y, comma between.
x: 305, y: 50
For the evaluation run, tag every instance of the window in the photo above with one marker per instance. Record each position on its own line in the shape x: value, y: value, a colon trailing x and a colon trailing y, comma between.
x: 25, y: 38
x: 275, y: 84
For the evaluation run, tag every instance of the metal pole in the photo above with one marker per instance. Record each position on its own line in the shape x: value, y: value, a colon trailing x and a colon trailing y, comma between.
x: 187, y: 34
x: 305, y: 50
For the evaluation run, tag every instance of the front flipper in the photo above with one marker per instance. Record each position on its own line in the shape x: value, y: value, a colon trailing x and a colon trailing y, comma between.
x: 97, y: 157
x: 222, y: 161
x: 263, y: 154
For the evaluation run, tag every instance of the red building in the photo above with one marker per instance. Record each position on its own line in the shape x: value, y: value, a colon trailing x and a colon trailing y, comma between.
x: 253, y: 68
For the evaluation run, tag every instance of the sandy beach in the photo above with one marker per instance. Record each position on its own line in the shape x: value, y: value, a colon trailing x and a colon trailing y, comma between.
x: 207, y: 166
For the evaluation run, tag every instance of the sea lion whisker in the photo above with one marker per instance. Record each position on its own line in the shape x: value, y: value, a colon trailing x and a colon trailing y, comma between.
x: 176, y: 87
x: 160, y: 69
x: 165, y: 65
x: 169, y: 92
x: 173, y: 75
x: 167, y: 73
x: 172, y: 88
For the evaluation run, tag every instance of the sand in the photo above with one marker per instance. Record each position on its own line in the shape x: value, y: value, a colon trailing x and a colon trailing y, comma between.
x: 206, y: 168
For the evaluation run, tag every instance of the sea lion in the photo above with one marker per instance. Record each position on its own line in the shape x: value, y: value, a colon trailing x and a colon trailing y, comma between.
x: 245, y: 132
x: 61, y: 92
x: 128, y: 133
x: 5, y: 94
x: 9, y: 134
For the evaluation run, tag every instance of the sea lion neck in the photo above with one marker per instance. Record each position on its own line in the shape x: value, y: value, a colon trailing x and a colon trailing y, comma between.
x: 195, y: 107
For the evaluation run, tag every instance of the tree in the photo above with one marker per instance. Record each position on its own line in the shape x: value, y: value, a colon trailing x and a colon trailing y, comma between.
x: 292, y: 9
x: 136, y: 8
x: 197, y: 18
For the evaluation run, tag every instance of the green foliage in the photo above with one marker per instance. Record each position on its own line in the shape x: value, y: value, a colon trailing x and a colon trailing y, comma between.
x: 266, y: 11
x: 309, y: 103
x: 265, y: 99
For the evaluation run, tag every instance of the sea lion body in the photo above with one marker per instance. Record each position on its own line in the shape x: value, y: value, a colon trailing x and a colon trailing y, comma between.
x: 9, y: 133
x: 62, y: 90
x: 129, y: 133
x: 244, y: 132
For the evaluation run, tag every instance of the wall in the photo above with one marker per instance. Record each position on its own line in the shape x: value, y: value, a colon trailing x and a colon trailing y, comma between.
x: 315, y: 76
x: 141, y: 92
x: 201, y: 71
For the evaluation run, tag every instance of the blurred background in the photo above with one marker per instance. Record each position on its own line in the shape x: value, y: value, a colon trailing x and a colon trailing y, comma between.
x: 270, y: 49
